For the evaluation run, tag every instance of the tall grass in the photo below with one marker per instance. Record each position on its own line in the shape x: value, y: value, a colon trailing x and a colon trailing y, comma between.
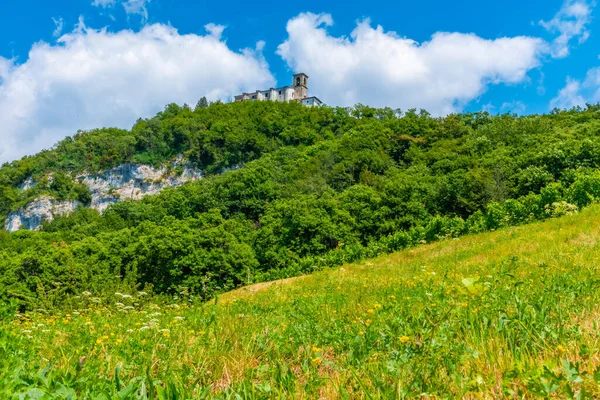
x: 511, y: 313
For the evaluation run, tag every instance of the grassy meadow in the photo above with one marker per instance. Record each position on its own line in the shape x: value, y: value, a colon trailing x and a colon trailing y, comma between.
x: 506, y: 314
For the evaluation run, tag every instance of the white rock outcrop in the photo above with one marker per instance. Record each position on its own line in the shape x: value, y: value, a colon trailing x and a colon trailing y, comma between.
x: 125, y: 182
x: 39, y: 210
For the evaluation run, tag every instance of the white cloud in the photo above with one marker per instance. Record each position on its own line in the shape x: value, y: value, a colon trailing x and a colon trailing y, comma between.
x: 578, y: 93
x: 569, y: 23
x: 104, y: 3
x: 131, y: 6
x: 217, y: 30
x: 137, y: 7
x: 380, y: 68
x: 58, y: 27
x: 94, y: 78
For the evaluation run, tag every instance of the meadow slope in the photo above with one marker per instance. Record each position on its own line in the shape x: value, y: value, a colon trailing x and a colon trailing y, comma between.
x: 511, y: 313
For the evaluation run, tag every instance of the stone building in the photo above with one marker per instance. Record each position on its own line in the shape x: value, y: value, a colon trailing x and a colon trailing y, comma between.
x: 298, y: 91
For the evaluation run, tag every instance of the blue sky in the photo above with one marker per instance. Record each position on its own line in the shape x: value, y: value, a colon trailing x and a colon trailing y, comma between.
x: 68, y: 65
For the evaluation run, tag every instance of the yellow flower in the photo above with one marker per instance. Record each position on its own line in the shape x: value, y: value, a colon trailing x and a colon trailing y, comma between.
x: 404, y: 339
x: 315, y: 349
x: 560, y: 348
x: 119, y: 341
x: 370, y: 311
x: 368, y: 322
x: 316, y: 360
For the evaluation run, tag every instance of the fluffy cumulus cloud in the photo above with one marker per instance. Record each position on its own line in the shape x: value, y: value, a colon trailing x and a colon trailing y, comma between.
x: 579, y: 92
x: 381, y: 68
x: 570, y: 23
x: 92, y: 78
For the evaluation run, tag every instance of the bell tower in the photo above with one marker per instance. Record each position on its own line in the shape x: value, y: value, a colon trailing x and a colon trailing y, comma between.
x: 300, y: 84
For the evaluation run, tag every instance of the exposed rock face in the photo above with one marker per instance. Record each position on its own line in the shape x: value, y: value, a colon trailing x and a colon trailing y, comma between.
x: 132, y: 182
x: 125, y: 182
x: 39, y: 210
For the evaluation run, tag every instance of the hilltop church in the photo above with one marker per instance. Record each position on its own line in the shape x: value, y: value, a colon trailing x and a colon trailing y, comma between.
x: 298, y: 91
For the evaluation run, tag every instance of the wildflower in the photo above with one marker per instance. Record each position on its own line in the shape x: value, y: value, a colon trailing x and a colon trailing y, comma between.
x: 404, y: 339
x: 86, y: 293
x: 316, y: 360
x: 368, y: 322
x: 370, y: 311
x: 560, y: 348
x: 315, y: 349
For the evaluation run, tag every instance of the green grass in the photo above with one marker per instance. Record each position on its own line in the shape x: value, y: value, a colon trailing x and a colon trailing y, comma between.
x: 511, y: 313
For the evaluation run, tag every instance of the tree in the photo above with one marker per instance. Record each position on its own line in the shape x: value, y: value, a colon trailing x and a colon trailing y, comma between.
x: 202, y: 103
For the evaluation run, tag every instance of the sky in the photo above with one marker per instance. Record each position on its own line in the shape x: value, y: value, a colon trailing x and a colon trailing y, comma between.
x: 67, y: 65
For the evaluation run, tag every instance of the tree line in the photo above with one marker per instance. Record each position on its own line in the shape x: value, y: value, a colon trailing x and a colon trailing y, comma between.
x: 305, y: 188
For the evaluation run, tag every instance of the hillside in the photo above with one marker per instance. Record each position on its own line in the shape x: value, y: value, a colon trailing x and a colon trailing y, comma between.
x: 511, y: 313
x: 278, y: 190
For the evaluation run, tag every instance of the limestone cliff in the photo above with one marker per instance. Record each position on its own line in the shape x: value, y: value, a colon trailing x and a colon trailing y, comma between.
x: 125, y: 182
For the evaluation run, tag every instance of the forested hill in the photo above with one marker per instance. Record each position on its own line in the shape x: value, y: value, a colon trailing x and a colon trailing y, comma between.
x: 312, y: 187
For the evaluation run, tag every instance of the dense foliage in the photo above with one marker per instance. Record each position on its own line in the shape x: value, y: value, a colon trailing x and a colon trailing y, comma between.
x: 305, y: 187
